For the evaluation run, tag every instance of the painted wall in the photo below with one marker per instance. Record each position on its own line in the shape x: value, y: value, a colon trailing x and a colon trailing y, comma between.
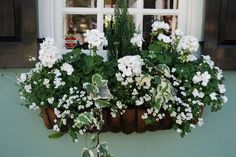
x: 22, y: 133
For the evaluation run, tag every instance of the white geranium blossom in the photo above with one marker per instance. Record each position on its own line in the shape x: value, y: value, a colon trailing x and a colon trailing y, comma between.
x: 137, y: 40
x: 157, y: 25
x: 49, y: 54
x: 191, y: 58
x: 130, y: 65
x: 164, y: 38
x: 179, y: 33
x: 95, y: 38
x: 68, y: 68
x: 188, y: 43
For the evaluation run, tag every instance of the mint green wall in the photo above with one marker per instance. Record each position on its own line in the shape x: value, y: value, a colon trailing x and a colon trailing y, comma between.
x: 22, y: 133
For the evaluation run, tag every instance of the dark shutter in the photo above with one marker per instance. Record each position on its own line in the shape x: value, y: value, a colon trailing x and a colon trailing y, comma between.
x: 18, y: 34
x: 220, y: 32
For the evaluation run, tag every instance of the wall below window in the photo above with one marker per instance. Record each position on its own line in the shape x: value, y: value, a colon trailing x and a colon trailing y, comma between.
x: 22, y: 133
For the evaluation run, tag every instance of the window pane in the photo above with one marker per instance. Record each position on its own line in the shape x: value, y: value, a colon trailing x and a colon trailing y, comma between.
x: 149, y: 19
x: 81, y: 3
x: 111, y: 3
x: 161, y: 4
x: 77, y: 25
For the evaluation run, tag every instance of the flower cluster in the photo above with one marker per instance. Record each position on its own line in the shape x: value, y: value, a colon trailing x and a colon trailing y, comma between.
x: 137, y: 40
x: 95, y: 38
x: 49, y: 54
x: 168, y: 80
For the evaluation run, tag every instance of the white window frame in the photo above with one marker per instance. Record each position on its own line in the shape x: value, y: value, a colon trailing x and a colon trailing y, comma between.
x: 51, y: 14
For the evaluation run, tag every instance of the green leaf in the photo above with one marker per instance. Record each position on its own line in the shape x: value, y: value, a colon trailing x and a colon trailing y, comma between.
x: 83, y: 119
x: 73, y: 134
x: 103, y: 148
x: 101, y: 103
x: 56, y: 135
x: 87, y: 153
x: 97, y: 79
x: 94, y: 138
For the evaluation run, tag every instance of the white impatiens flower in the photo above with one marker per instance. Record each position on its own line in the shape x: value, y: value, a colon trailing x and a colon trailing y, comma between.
x: 137, y: 40
x: 67, y: 68
x: 28, y: 88
x: 200, y: 121
x: 219, y: 74
x: 222, y: 88
x: 157, y: 25
x: 207, y: 59
x: 205, y: 78
x: 188, y: 43
x: 48, y: 53
x: 130, y: 65
x: 196, y: 93
x: 213, y: 96
x: 33, y: 106
x: 50, y: 100
x: 201, y: 77
x: 164, y: 38
x: 225, y: 99
x: 22, y: 78
x: 197, y: 78
x: 95, y: 38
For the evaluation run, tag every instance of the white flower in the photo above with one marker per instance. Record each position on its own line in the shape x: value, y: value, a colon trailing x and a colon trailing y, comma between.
x: 188, y: 43
x: 222, y: 88
x: 179, y: 130
x: 137, y: 40
x: 200, y: 121
x: 56, y: 128
x: 50, y: 100
x: 49, y: 54
x: 46, y: 82
x: 119, y: 104
x: 191, y: 58
x: 67, y: 68
x: 179, y: 33
x: 197, y: 78
x: 196, y: 93
x: 139, y: 102
x: 225, y: 99
x: 205, y: 78
x: 213, y: 96
x: 76, y: 140
x: 135, y: 92
x: 33, y: 107
x: 22, y: 78
x: 58, y: 82
x: 219, y: 74
x: 130, y: 65
x: 28, y: 88
x: 164, y: 38
x: 144, y: 116
x: 157, y: 25
x: 208, y: 60
x: 173, y: 70
x: 95, y: 38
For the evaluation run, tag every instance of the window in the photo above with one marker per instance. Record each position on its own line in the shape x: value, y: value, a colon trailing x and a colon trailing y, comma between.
x: 75, y: 16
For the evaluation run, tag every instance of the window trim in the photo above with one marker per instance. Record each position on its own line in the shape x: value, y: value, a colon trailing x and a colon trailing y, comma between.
x: 51, y: 16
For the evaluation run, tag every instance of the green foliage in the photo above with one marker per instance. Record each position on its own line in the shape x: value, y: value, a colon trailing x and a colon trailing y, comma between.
x: 119, y: 32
